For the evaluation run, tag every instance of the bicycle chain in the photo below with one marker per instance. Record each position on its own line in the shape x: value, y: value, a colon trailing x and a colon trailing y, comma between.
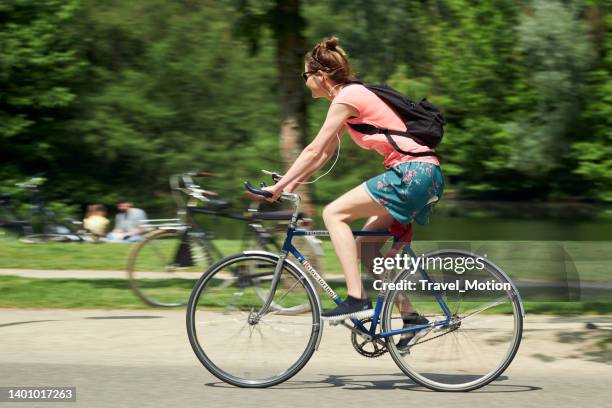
x: 384, y: 349
x: 435, y: 337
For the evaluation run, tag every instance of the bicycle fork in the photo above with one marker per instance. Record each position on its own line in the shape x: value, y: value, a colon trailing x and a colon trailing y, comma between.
x: 254, y: 317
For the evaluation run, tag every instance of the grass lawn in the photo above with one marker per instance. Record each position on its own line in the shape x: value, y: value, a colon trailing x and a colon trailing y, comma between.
x: 66, y: 256
x: 554, y: 261
x: 19, y: 292
x: 544, y: 260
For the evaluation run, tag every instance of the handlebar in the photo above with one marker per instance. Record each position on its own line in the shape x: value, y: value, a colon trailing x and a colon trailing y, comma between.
x: 182, y: 185
x: 196, y: 191
x: 256, y: 191
x: 275, y: 176
x: 284, y: 196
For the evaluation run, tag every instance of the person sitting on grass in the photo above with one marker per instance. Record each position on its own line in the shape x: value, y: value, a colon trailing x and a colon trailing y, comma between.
x: 127, y: 223
x: 95, y: 220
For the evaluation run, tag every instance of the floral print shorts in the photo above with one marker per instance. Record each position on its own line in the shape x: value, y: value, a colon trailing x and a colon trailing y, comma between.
x: 408, y: 191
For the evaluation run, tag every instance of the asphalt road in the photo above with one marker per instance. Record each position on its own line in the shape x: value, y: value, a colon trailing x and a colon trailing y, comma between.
x: 143, y: 359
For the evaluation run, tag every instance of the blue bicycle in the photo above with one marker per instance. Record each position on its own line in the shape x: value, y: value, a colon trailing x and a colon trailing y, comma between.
x: 474, y: 316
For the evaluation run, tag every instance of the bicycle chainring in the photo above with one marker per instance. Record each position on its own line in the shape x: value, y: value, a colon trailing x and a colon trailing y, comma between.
x: 368, y: 348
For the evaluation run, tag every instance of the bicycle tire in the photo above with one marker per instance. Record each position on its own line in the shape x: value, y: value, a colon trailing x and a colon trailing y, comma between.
x: 137, y: 252
x: 437, y: 385
x: 220, y: 373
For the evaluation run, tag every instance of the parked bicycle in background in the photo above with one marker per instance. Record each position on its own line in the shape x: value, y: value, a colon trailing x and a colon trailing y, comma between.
x: 163, y: 267
x: 42, y: 224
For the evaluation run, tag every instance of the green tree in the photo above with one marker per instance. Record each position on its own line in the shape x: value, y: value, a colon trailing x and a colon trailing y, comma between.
x: 38, y: 64
x: 594, y: 153
x: 169, y: 90
x: 556, y: 55
x: 284, y: 19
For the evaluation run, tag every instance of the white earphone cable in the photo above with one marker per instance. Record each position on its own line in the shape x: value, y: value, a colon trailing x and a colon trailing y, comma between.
x: 337, y: 151
x: 328, y: 170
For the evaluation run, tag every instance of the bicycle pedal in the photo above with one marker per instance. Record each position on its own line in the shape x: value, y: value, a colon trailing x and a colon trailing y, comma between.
x: 335, y: 322
x: 419, y: 335
x: 405, y: 351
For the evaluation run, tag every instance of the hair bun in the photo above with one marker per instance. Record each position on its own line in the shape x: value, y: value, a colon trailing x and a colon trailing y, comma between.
x: 327, y: 56
x: 330, y: 43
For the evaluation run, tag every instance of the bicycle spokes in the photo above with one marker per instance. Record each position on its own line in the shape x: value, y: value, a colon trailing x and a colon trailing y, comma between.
x: 164, y: 267
x: 235, y: 341
x: 467, y: 349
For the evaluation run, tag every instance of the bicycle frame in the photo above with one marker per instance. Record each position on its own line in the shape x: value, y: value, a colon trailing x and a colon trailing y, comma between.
x: 187, y: 208
x: 370, y: 332
x: 288, y: 247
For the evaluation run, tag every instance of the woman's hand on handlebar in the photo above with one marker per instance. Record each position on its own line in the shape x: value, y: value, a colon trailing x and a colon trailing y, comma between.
x: 276, y: 193
x: 259, y: 194
x: 270, y: 193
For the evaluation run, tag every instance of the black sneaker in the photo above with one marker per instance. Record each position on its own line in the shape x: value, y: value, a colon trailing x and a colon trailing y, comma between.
x: 350, y: 308
x: 413, y: 319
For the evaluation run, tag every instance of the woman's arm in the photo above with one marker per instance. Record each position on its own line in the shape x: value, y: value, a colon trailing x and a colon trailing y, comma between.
x: 324, y: 158
x: 314, y: 155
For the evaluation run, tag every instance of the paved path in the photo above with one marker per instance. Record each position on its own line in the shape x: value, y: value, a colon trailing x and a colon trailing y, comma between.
x: 142, y: 359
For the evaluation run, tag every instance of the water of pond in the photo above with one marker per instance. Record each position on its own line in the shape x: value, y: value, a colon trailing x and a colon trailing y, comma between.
x: 451, y: 228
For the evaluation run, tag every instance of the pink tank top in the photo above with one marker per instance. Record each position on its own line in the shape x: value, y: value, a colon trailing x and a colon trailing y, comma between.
x: 374, y: 111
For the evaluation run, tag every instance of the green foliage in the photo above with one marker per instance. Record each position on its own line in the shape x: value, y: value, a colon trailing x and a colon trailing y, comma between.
x: 109, y: 98
x: 37, y: 61
x: 594, y: 153
x: 556, y: 54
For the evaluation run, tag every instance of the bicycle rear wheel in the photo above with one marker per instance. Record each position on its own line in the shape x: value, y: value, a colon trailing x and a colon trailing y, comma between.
x: 231, y: 342
x: 164, y: 266
x: 480, y: 340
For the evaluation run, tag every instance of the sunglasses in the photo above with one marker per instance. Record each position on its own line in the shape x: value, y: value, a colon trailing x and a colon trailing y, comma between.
x: 307, y: 74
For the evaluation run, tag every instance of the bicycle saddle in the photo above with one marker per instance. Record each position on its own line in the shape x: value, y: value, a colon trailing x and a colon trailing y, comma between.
x: 276, y: 215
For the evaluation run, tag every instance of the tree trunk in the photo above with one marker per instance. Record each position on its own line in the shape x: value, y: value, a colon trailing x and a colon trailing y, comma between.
x: 288, y: 24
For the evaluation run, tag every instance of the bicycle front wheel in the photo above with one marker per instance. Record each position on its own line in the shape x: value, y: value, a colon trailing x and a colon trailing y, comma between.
x: 164, y: 266
x: 480, y: 339
x: 232, y: 341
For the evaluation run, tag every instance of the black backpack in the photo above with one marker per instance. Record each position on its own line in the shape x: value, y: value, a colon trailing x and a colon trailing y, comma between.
x: 424, y: 122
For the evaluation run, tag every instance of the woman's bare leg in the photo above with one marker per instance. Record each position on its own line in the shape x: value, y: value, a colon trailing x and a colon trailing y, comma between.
x: 368, y: 248
x: 353, y: 205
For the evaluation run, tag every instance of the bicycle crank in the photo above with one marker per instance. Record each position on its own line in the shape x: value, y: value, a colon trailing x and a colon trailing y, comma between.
x: 366, y: 346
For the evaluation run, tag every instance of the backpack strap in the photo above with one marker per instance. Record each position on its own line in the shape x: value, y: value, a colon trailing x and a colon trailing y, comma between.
x: 368, y: 129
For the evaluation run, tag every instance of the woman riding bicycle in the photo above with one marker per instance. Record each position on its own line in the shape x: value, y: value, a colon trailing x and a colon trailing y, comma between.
x: 406, y: 191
